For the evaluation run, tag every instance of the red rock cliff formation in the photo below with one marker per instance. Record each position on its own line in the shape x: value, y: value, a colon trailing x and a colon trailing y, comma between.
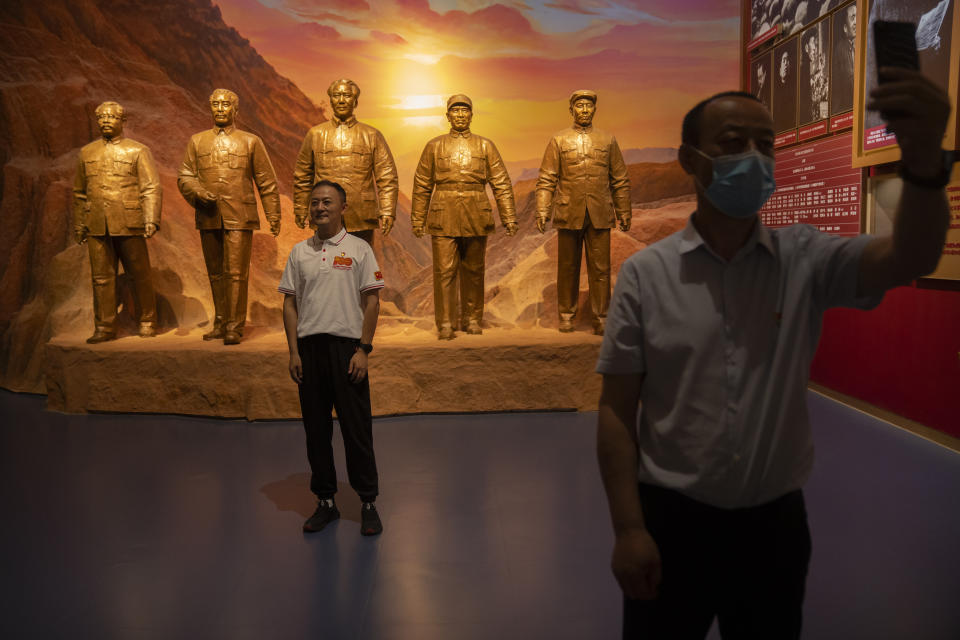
x: 58, y: 60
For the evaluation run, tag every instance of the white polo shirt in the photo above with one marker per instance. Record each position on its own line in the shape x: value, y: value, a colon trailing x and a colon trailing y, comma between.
x: 725, y: 347
x: 328, y: 277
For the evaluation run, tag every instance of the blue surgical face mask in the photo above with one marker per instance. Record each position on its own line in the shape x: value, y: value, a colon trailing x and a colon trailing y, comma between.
x: 742, y: 182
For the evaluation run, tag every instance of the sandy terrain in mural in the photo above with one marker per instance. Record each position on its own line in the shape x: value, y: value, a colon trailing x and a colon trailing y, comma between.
x: 63, y: 59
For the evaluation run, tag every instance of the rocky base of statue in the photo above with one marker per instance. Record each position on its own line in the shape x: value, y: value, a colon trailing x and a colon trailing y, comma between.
x: 410, y: 371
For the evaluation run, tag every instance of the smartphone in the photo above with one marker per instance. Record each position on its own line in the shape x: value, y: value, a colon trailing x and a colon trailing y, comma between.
x: 895, y: 44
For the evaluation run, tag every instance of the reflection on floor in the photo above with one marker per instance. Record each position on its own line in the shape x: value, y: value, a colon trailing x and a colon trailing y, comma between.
x: 120, y: 526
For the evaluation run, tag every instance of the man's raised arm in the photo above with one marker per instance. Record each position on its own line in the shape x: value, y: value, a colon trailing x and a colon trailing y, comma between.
x: 920, y: 224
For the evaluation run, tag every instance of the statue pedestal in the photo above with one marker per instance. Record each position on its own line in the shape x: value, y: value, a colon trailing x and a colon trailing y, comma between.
x: 410, y: 371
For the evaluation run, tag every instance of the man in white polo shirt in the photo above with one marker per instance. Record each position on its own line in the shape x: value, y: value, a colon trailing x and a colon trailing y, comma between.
x: 331, y: 301
x: 709, y: 338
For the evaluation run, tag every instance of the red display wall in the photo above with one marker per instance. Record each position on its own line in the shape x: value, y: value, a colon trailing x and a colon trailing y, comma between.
x: 903, y: 356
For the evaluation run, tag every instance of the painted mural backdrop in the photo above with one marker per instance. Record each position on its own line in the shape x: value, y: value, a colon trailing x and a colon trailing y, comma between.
x: 649, y: 61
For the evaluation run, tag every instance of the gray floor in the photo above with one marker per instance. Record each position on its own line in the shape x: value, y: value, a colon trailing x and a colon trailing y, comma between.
x: 120, y: 526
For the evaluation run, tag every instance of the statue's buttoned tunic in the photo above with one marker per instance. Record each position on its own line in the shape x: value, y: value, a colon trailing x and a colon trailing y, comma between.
x: 450, y: 202
x: 583, y: 186
x: 229, y: 163
x: 116, y: 192
x: 356, y: 156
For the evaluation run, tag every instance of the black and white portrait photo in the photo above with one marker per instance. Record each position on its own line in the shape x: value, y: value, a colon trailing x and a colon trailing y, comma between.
x: 814, y: 81
x: 793, y: 15
x: 785, y: 85
x: 761, y: 79
x: 842, y: 59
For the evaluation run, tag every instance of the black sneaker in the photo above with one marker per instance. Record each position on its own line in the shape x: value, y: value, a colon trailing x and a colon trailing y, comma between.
x: 323, y: 516
x: 370, y: 524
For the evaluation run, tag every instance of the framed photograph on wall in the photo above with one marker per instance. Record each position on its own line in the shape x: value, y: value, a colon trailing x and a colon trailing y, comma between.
x: 761, y: 78
x: 786, y: 17
x: 938, y: 45
x: 813, y: 91
x: 785, y: 85
x: 843, y: 53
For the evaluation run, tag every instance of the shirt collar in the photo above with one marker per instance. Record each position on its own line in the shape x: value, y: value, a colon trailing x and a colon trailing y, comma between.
x: 225, y: 130
x: 352, y: 120
x: 335, y: 240
x: 580, y: 129
x: 691, y: 239
x: 113, y: 140
x: 460, y: 134
x: 317, y: 243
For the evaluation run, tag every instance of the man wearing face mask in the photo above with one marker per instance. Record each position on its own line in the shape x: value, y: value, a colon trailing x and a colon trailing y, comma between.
x: 709, y: 338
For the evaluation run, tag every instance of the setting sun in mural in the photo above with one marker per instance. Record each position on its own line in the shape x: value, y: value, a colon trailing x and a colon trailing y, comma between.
x: 518, y: 61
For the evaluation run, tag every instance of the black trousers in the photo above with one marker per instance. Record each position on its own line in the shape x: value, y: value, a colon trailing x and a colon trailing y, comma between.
x: 747, y: 567
x: 326, y: 385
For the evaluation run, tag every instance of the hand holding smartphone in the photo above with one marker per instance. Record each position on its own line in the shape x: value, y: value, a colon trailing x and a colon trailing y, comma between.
x: 895, y: 45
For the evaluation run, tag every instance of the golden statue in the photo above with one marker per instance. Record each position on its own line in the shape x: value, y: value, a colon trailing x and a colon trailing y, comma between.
x: 116, y: 205
x: 583, y: 181
x: 450, y: 203
x: 219, y: 171
x: 356, y: 156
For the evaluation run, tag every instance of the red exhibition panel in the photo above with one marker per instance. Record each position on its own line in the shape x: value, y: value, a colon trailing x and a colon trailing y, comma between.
x: 901, y: 356
x: 842, y: 121
x: 878, y: 138
x: 816, y: 185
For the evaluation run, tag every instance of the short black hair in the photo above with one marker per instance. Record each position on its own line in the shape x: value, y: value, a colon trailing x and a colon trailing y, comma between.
x: 690, y: 133
x: 330, y: 183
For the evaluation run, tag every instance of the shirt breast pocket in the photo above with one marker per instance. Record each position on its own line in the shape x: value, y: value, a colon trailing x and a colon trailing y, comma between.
x: 204, y: 161
x: 362, y: 156
x: 444, y: 163
x: 124, y: 167
x: 91, y: 167
x: 237, y: 161
x: 478, y: 165
x: 600, y: 157
x: 569, y: 154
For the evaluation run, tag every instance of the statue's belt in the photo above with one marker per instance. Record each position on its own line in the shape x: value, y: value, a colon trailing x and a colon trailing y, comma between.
x: 460, y: 186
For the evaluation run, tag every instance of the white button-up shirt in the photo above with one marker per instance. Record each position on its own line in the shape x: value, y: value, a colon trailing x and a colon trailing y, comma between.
x: 725, y: 347
x: 328, y: 277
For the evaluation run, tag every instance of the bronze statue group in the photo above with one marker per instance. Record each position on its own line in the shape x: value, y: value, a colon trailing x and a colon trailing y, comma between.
x: 583, y: 187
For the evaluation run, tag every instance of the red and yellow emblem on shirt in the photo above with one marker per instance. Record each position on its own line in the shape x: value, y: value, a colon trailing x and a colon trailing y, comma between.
x: 378, y: 275
x: 342, y: 261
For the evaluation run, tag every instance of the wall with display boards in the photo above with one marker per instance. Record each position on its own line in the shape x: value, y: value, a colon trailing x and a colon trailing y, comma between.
x: 802, y: 66
x: 811, y: 63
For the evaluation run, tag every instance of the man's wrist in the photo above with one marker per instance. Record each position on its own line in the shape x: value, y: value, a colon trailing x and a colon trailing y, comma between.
x: 366, y: 347
x: 932, y: 172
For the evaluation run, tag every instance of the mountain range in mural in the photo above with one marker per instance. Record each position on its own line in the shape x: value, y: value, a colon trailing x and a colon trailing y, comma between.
x: 59, y: 59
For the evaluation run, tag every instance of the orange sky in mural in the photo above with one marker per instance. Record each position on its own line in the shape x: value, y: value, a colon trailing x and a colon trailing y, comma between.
x: 649, y: 62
